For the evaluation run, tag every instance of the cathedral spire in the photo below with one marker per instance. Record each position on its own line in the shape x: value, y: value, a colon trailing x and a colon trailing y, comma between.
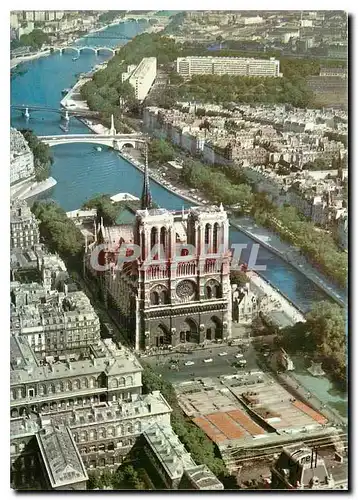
x: 146, y: 199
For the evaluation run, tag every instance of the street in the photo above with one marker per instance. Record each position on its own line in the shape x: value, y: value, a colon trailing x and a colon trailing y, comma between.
x: 220, y: 365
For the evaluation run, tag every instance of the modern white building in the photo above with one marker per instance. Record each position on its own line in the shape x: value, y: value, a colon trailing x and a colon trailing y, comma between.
x: 206, y: 65
x: 142, y: 76
x: 21, y: 157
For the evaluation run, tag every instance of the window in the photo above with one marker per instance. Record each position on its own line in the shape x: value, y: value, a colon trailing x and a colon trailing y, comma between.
x: 31, y: 393
x: 207, y: 234
x: 93, y: 434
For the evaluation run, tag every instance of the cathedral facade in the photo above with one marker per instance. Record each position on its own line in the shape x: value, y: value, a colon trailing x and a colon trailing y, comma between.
x: 177, y: 289
x: 183, y: 290
x: 174, y: 288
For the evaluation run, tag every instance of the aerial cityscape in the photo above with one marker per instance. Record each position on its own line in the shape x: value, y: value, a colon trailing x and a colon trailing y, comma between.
x: 179, y: 250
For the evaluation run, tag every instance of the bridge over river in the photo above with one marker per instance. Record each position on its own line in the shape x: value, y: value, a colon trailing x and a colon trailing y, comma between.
x: 26, y: 109
x: 78, y: 50
x: 112, y: 140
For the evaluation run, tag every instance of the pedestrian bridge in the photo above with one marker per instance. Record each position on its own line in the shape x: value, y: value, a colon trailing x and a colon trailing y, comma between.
x: 79, y: 50
x: 115, y: 141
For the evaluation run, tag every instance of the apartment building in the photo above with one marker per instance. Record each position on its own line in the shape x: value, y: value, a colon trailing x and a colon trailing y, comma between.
x: 172, y: 464
x: 24, y: 230
x: 206, y: 65
x: 53, y: 321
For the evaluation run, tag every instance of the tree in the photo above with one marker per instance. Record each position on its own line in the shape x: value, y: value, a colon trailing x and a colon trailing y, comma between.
x: 238, y: 278
x: 59, y: 232
x: 106, y: 209
x: 35, y: 39
x: 160, y: 151
x: 175, y: 78
x: 323, y: 337
x: 43, y: 157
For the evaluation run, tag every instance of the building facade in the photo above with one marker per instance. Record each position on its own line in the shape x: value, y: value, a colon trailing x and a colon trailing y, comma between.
x: 24, y: 230
x: 142, y: 77
x: 205, y: 65
x: 53, y: 321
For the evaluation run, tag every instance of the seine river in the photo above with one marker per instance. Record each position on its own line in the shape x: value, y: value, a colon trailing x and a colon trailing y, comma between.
x: 82, y: 172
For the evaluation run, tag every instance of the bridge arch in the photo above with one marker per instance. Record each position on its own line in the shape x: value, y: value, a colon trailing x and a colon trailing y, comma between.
x: 82, y: 49
x: 114, y: 142
x: 67, y: 49
x: 104, y: 49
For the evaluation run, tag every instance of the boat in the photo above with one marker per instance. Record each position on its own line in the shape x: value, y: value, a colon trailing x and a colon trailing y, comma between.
x: 62, y: 127
x: 98, y: 148
x: 75, y: 58
x: 65, y: 91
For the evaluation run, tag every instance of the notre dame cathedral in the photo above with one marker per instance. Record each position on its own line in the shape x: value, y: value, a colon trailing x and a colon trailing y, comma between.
x: 169, y: 295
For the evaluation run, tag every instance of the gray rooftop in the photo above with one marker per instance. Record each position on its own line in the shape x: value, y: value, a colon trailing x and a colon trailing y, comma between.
x: 169, y: 450
x: 203, y: 479
x: 61, y: 457
x: 114, y: 361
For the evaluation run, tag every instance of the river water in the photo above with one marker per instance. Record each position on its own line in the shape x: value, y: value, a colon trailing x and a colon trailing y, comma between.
x: 82, y: 172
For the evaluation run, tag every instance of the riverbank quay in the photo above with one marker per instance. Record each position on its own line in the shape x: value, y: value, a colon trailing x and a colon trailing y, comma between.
x: 30, y: 188
x: 284, y: 304
x: 68, y: 102
x: 291, y: 255
x: 18, y: 60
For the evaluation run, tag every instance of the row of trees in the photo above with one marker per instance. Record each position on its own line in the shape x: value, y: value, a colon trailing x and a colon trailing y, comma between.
x: 110, y: 15
x: 247, y: 89
x: 227, y: 185
x: 318, y: 246
x: 160, y: 151
x: 125, y: 478
x: 323, y: 337
x: 108, y: 210
x: 36, y: 39
x: 215, y: 184
x: 43, y: 158
x: 59, y: 233
x: 108, y: 95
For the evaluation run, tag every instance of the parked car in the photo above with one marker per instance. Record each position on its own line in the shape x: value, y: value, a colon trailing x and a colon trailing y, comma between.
x: 223, y: 353
x: 208, y: 360
x: 239, y: 355
x: 189, y: 363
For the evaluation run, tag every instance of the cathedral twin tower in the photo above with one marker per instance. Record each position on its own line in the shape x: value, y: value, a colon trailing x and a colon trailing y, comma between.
x: 178, y: 289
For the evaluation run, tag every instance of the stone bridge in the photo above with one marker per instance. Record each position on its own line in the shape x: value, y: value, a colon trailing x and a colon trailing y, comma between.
x: 79, y: 50
x: 115, y: 141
